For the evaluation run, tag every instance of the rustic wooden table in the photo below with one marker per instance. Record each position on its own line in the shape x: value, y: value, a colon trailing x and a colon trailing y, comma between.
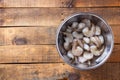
x: 27, y: 39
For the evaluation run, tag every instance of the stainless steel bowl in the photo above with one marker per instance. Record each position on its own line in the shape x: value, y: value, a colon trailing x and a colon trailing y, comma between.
x: 106, y: 32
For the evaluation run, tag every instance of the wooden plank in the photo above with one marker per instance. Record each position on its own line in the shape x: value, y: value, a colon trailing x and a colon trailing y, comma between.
x: 51, y: 16
x: 109, y: 71
x: 29, y: 35
x: 116, y: 33
x: 29, y: 54
x: 59, y: 3
x: 39, y: 53
x: 96, y: 3
x: 36, y: 35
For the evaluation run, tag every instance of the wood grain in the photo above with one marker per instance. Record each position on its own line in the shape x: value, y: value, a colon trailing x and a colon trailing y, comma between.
x: 40, y: 54
x: 59, y: 3
x: 51, y: 16
x: 109, y: 71
x: 37, y: 35
x: 31, y: 35
x: 29, y: 54
x: 96, y: 3
x: 27, y: 39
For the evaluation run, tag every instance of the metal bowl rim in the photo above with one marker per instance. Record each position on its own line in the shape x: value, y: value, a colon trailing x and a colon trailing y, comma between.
x: 92, y: 14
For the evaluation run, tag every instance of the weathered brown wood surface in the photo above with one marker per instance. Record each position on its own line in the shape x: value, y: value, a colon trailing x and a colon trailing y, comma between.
x: 37, y: 35
x: 51, y: 16
x: 57, y: 71
x: 59, y: 3
x: 39, y: 53
x: 27, y: 39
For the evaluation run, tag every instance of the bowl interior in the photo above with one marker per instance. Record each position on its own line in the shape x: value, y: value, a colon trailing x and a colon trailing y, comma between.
x: 106, y: 32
